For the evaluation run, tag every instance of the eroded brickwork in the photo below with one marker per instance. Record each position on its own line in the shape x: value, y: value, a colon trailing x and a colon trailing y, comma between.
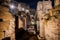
x: 42, y: 9
x: 7, y: 26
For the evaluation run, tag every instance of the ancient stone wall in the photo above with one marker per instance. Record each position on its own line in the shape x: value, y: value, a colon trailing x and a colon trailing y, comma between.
x: 42, y: 9
x: 7, y: 25
x: 52, y: 25
x: 51, y: 29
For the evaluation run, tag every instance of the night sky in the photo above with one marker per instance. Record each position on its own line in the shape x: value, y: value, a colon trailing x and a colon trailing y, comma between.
x: 32, y: 3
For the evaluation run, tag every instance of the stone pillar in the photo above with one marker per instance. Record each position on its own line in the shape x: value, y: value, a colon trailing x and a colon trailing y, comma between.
x: 20, y: 23
x: 40, y: 15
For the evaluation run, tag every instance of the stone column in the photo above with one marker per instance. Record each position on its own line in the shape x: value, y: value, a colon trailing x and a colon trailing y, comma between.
x: 40, y: 15
x: 20, y: 23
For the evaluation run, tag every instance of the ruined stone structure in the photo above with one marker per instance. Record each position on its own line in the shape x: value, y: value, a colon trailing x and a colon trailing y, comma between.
x: 50, y: 24
x: 23, y: 10
x: 7, y: 25
x: 53, y: 24
x: 42, y: 9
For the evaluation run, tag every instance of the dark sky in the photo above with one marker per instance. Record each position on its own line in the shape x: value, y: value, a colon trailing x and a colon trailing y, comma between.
x: 32, y: 3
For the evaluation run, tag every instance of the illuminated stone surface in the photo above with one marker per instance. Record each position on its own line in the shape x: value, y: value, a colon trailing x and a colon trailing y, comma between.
x: 42, y: 9
x: 7, y: 24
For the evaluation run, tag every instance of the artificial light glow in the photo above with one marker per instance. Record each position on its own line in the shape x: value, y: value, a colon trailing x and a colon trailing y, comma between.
x: 23, y: 9
x: 12, y: 6
x: 27, y: 11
